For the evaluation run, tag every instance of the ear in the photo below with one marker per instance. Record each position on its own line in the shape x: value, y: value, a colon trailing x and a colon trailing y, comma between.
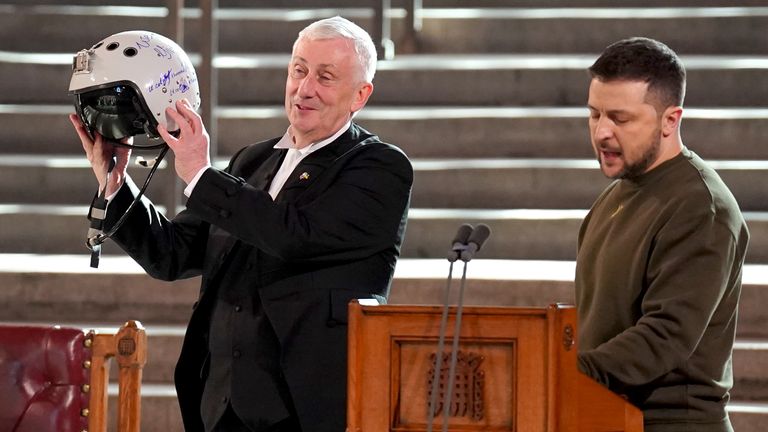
x: 361, y: 97
x: 670, y: 120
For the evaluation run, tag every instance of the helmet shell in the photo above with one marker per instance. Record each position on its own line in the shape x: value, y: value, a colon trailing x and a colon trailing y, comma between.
x: 158, y: 70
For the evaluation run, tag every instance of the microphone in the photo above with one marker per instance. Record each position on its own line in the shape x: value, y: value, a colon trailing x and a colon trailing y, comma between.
x: 459, y: 242
x: 475, y: 242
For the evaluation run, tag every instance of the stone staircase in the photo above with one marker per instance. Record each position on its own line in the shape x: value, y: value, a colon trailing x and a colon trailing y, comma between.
x: 491, y: 109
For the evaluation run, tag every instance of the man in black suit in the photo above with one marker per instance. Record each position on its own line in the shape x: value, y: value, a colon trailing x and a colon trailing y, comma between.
x: 284, y: 237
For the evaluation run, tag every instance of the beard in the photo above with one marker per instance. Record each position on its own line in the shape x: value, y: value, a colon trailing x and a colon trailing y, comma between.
x: 640, y: 166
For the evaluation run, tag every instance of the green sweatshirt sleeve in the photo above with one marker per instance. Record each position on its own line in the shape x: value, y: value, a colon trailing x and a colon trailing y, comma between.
x: 688, y: 272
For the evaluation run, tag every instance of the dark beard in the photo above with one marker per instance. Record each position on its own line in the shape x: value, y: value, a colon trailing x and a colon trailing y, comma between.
x: 637, y: 169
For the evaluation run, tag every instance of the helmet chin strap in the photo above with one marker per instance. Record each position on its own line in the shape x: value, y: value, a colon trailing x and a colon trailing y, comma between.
x: 97, y: 213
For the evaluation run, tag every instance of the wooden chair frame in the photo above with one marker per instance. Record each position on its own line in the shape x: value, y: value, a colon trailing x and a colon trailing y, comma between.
x: 128, y: 346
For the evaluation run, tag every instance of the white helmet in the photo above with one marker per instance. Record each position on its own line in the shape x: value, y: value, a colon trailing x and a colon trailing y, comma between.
x: 123, y: 84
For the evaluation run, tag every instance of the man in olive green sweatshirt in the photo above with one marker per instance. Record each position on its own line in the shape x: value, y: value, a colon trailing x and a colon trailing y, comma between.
x: 660, y: 254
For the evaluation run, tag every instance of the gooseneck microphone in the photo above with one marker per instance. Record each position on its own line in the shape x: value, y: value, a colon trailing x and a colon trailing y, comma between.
x: 475, y: 241
x: 459, y: 242
x: 466, y: 243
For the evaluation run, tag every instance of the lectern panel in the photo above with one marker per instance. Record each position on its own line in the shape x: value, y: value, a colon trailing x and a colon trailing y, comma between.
x: 484, y: 389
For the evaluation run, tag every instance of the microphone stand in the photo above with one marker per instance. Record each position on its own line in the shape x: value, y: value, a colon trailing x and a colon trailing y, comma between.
x: 468, y: 241
x: 454, y: 349
x: 440, y: 347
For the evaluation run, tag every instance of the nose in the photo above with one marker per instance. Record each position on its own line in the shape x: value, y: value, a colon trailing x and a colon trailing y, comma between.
x: 603, y: 129
x: 306, y: 87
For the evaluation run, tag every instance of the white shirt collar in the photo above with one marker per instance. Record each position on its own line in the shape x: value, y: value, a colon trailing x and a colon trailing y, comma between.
x: 286, y: 142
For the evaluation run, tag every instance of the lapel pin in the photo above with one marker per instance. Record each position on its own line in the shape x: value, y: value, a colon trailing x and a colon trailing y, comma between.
x: 304, y: 176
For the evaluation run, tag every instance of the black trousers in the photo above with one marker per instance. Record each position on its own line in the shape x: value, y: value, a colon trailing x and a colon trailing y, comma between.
x: 230, y: 422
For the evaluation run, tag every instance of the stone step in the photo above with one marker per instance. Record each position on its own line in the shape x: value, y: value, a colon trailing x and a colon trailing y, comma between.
x: 422, y: 132
x: 495, y: 80
x: 531, y: 234
x: 750, y: 367
x: 548, y: 183
x: 528, y: 233
x: 401, y: 3
x: 517, y: 233
x: 115, y: 293
x: 748, y: 417
x: 50, y: 288
x: 59, y: 180
x: 734, y: 30
x: 438, y: 183
x: 159, y: 409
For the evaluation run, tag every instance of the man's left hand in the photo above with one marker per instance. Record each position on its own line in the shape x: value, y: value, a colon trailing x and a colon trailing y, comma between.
x: 191, y: 147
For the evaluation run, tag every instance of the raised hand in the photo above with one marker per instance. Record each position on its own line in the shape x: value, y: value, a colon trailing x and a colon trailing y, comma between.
x: 100, y: 153
x: 192, y: 145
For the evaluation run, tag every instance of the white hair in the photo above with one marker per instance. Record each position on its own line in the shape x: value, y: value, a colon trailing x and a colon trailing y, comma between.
x: 338, y: 27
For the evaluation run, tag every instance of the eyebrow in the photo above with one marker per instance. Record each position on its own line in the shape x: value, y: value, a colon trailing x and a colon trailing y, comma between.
x: 322, y: 65
x: 615, y: 111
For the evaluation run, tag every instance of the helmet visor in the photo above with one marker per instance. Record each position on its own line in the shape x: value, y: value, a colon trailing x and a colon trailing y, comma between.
x: 114, y: 112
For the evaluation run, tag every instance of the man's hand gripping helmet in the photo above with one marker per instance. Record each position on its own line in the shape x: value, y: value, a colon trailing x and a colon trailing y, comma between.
x: 123, y: 84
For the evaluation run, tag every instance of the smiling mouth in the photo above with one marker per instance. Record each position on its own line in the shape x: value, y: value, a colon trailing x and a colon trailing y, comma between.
x: 301, y: 107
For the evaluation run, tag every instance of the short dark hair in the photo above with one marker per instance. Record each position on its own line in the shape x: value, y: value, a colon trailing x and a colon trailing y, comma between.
x: 647, y: 60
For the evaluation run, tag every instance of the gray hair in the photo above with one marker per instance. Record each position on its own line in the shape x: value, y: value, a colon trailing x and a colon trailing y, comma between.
x: 338, y: 27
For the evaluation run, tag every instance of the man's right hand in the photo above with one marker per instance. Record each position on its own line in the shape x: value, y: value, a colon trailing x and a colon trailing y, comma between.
x: 99, y: 152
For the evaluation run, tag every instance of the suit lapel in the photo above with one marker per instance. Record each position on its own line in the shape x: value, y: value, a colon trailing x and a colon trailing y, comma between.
x: 311, y: 168
x: 263, y: 175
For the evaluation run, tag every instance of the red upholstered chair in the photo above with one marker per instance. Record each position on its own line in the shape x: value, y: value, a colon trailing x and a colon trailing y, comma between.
x: 55, y: 379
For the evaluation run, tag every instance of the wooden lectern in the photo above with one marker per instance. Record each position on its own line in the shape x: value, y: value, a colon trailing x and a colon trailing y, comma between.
x: 516, y: 371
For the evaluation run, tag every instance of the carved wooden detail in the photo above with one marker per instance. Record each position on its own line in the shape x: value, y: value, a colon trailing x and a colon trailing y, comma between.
x: 468, y: 386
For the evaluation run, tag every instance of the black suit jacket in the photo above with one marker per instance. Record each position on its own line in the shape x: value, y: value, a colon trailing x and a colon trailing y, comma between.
x: 332, y: 234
